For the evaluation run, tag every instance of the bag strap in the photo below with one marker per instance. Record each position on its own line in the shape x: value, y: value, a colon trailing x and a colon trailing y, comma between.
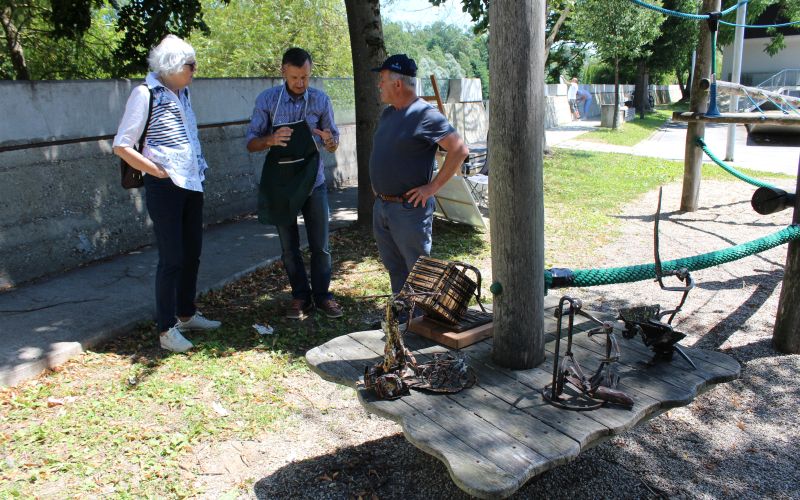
x: 147, y: 122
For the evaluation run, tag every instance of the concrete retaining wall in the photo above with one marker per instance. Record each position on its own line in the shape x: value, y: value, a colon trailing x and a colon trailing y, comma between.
x: 61, y: 205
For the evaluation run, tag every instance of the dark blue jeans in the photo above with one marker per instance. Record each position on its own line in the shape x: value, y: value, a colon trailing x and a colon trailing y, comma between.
x: 315, y: 215
x: 403, y: 233
x: 177, y: 216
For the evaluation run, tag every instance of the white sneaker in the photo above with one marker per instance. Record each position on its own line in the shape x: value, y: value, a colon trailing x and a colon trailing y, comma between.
x: 197, y: 322
x: 174, y: 341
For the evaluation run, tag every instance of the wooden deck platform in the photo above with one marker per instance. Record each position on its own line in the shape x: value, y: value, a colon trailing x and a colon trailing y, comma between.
x: 500, y: 433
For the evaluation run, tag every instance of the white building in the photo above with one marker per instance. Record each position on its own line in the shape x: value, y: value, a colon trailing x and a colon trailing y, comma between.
x: 757, y: 65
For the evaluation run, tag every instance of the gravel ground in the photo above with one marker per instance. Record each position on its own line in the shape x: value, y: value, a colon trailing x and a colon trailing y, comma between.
x: 737, y: 440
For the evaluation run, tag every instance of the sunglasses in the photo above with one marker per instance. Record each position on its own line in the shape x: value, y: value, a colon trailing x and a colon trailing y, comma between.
x: 192, y: 66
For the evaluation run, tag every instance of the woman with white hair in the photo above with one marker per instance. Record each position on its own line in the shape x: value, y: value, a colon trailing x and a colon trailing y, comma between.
x: 174, y: 170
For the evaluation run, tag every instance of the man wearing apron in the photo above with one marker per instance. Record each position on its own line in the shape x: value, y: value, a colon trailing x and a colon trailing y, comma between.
x: 292, y: 121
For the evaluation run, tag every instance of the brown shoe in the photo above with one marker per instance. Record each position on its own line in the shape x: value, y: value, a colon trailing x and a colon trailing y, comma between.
x: 299, y: 309
x: 331, y: 308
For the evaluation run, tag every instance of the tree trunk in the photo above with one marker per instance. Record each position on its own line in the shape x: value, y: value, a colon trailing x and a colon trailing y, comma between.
x: 690, y: 76
x: 614, y: 124
x: 693, y: 155
x: 786, y: 333
x: 368, y: 51
x: 516, y: 130
x: 642, y: 88
x: 13, y: 46
x: 681, y: 85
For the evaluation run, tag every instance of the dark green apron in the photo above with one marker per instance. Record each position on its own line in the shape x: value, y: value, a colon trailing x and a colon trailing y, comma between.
x: 288, y: 175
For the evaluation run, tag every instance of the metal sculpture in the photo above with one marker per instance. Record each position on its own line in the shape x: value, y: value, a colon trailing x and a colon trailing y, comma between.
x: 399, y: 370
x: 645, y: 321
x: 570, y: 388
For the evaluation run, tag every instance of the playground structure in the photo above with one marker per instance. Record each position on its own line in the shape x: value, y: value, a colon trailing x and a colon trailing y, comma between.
x: 704, y: 109
x: 495, y: 436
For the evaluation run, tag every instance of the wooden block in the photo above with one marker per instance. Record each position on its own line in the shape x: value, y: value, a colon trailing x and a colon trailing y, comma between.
x: 445, y: 336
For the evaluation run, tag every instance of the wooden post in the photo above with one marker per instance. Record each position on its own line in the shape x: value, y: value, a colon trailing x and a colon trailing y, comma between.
x: 516, y: 139
x: 693, y: 155
x: 437, y: 95
x: 786, y: 334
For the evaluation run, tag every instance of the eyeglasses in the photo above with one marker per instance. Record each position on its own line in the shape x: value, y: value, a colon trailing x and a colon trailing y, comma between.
x: 192, y: 66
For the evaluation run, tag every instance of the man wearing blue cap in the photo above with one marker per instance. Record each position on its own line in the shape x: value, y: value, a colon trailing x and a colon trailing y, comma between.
x: 401, y: 168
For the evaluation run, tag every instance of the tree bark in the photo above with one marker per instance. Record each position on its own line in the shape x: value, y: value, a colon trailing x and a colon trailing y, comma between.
x: 642, y: 92
x: 681, y: 85
x: 693, y: 155
x: 13, y: 46
x: 368, y: 51
x: 689, y: 77
x: 786, y: 333
x: 516, y: 130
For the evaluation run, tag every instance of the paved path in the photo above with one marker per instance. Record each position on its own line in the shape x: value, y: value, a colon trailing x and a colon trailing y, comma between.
x: 44, y: 323
x: 669, y: 143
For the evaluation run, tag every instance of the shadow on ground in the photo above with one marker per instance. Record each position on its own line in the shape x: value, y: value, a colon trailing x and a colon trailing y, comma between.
x: 262, y: 296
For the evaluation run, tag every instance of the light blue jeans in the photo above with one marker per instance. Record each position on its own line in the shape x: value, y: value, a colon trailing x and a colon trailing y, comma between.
x: 403, y: 233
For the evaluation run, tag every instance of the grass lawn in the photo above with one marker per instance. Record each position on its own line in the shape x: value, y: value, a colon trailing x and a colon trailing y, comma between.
x: 123, y: 420
x: 633, y: 132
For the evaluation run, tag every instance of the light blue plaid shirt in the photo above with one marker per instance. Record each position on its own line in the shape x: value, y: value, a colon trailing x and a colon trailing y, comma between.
x: 318, y: 114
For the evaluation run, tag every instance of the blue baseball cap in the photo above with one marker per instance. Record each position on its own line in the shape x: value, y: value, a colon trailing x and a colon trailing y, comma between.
x: 399, y: 63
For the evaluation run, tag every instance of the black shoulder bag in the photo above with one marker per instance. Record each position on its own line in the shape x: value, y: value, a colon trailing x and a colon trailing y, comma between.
x: 131, y: 177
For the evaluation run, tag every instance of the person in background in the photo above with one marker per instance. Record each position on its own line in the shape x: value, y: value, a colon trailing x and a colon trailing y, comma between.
x: 293, y: 116
x: 401, y: 168
x: 174, y: 170
x: 584, y: 101
x: 572, y: 97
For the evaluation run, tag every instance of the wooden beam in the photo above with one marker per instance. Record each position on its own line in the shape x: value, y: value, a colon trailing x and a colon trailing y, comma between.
x: 437, y: 95
x: 743, y: 118
x: 693, y: 155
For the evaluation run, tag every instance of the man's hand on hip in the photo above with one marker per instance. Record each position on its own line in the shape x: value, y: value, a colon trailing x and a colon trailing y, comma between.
x: 419, y: 195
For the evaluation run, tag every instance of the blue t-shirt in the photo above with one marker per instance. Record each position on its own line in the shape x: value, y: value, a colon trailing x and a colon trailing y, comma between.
x: 404, y: 147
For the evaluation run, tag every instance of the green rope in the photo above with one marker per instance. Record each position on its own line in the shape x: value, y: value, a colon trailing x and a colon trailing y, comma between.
x: 684, y: 15
x: 608, y: 276
x: 755, y: 182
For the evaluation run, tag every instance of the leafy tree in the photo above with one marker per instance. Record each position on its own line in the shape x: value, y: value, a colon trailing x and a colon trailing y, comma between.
x: 618, y: 29
x: 671, y: 51
x: 236, y: 46
x: 788, y: 10
x: 39, y: 48
x: 442, y: 50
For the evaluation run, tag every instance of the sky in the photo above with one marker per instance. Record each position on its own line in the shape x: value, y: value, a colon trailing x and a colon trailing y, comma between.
x: 421, y: 12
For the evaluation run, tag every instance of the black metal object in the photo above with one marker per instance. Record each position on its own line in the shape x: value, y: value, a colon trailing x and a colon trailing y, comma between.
x: 570, y: 388
x: 646, y: 320
x: 768, y: 200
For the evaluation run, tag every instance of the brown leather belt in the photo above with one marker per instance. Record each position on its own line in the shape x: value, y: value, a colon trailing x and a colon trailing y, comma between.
x: 391, y: 198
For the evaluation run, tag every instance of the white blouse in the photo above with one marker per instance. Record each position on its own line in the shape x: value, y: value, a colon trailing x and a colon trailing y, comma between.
x: 171, y: 141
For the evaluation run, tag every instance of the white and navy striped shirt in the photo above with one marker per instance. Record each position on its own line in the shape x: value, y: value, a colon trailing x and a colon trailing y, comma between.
x: 171, y: 140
